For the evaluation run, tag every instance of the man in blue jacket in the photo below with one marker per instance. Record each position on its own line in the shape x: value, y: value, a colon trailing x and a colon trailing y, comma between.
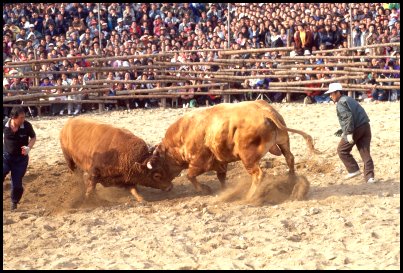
x: 355, y: 130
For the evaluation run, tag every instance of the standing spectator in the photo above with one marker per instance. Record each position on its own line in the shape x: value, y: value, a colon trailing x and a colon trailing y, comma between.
x: 371, y: 36
x: 303, y: 39
x: 327, y: 37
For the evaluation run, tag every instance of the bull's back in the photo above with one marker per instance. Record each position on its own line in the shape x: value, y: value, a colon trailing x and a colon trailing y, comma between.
x: 221, y: 129
x: 92, y: 144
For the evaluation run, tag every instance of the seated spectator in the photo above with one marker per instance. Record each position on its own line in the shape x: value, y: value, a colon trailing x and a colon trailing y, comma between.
x: 74, y: 106
x: 58, y: 108
x: 186, y: 99
x: 379, y: 94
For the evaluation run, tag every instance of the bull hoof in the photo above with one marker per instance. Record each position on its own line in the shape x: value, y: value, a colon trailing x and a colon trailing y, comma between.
x: 141, y: 201
x: 205, y: 189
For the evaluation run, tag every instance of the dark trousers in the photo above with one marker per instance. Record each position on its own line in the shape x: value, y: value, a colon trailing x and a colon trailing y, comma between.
x: 362, y: 138
x: 17, y: 164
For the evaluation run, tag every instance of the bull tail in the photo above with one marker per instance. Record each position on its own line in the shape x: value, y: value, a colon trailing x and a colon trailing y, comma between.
x: 308, y: 139
x: 271, y: 114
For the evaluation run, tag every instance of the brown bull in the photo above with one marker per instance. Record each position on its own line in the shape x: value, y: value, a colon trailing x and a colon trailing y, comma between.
x: 111, y: 156
x: 208, y: 139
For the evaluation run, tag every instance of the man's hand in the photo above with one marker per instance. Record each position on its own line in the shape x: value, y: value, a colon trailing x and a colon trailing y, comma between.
x: 350, y: 139
x: 338, y: 133
x: 25, y: 150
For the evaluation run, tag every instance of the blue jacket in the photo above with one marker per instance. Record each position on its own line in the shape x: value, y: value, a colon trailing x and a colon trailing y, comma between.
x: 351, y: 114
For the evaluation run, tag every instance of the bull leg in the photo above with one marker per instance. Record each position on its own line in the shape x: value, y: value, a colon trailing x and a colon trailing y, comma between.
x: 134, y: 192
x: 222, y: 177
x: 222, y: 174
x: 289, y: 157
x: 90, y: 183
x: 69, y: 161
x: 191, y: 175
x: 257, y: 176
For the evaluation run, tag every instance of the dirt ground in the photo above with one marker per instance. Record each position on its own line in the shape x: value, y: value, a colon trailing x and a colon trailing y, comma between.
x: 343, y: 224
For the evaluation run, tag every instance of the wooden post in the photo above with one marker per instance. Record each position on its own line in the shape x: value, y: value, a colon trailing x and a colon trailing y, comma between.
x: 36, y: 81
x: 288, y: 97
x: 226, y: 97
x: 163, y: 100
x: 101, y: 106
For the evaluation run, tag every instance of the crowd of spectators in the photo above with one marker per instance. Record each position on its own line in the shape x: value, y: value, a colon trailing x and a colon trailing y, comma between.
x: 52, y: 30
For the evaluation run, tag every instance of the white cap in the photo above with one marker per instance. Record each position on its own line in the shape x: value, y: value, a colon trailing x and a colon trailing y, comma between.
x: 31, y: 25
x: 333, y: 87
x: 31, y: 34
x: 306, y: 52
x: 13, y: 71
x: 120, y: 20
x: 20, y: 40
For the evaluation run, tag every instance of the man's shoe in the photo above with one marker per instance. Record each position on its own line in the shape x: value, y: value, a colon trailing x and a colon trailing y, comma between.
x: 351, y: 175
x: 371, y: 180
x: 13, y: 206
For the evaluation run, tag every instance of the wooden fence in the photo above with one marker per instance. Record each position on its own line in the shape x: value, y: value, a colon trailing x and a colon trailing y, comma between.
x: 217, y: 76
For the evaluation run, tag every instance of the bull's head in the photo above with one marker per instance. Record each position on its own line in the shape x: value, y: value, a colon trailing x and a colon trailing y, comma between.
x: 157, y: 172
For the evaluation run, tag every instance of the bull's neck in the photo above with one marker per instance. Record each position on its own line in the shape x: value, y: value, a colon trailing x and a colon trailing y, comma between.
x: 175, y: 164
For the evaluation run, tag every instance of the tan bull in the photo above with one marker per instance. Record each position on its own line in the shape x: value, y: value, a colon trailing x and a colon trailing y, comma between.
x: 208, y: 139
x: 111, y: 156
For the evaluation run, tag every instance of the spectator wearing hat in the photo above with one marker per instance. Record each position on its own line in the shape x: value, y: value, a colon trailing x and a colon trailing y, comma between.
x: 355, y: 130
x: 120, y: 27
x: 32, y: 30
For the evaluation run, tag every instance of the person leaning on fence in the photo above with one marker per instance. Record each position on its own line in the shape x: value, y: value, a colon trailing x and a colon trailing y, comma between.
x: 355, y: 130
x: 18, y: 139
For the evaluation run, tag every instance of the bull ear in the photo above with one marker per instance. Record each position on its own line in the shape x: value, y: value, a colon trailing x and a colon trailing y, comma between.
x: 149, y: 166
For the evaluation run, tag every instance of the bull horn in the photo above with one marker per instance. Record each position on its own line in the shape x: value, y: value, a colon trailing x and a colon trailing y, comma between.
x: 155, y: 150
x: 149, y: 165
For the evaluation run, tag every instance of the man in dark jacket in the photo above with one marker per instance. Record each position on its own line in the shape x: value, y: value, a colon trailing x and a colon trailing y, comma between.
x: 355, y: 130
x: 18, y: 139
